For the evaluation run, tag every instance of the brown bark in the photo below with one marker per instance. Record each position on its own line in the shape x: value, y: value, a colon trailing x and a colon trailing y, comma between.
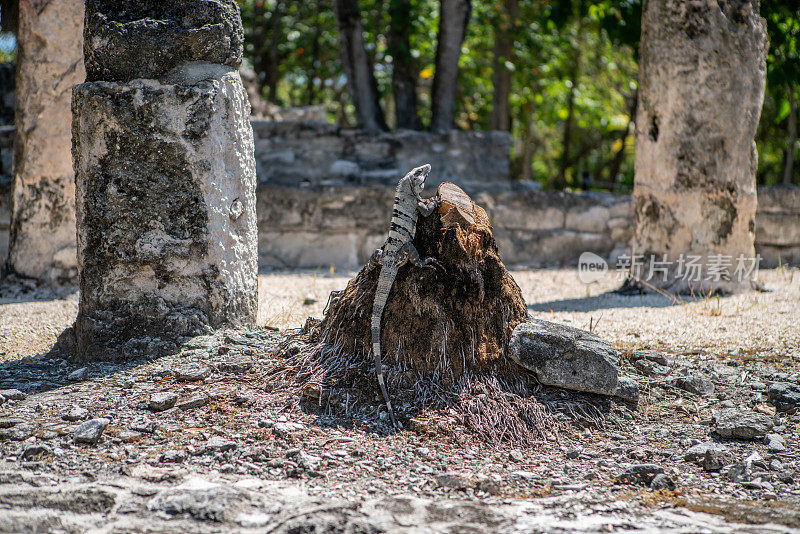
x: 358, y: 68
x: 404, y: 71
x: 501, y: 75
x: 529, y: 145
x: 453, y: 20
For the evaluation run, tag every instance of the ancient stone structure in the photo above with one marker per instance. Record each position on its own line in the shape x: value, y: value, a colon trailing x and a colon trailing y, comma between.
x: 701, y: 86
x: 163, y: 154
x: 42, y: 238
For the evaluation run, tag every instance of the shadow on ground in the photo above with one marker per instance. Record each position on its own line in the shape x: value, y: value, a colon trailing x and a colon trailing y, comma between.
x: 605, y: 301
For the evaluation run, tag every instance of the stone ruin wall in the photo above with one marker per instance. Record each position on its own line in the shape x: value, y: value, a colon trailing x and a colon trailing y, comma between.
x: 324, y: 193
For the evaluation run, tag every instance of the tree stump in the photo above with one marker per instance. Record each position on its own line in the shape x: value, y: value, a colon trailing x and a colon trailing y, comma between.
x: 445, y: 335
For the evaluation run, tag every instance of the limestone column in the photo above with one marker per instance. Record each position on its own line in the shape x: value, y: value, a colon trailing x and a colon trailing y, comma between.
x: 50, y: 62
x: 165, y: 173
x: 701, y: 87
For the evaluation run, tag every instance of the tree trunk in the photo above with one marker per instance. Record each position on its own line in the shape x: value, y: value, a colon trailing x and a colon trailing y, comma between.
x: 560, y: 181
x: 42, y: 241
x: 404, y: 72
x: 453, y: 21
x: 357, y: 67
x: 529, y: 146
x: 501, y: 75
x: 788, y: 167
x: 616, y: 163
x: 701, y: 87
x: 273, y: 53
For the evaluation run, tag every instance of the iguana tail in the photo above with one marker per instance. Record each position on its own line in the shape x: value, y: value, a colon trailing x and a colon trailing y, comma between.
x: 385, y: 281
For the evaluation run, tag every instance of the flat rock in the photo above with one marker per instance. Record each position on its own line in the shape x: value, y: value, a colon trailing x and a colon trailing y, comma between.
x: 236, y: 364
x: 453, y: 480
x: 565, y: 357
x: 191, y: 372
x: 627, y: 389
x: 163, y: 400
x: 784, y: 395
x: 733, y: 423
x: 219, y: 444
x: 91, y: 431
x: 200, y: 500
x: 195, y: 401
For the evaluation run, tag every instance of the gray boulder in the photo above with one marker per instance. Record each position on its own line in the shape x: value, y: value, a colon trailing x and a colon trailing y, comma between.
x: 733, y: 423
x: 566, y: 357
x: 148, y: 38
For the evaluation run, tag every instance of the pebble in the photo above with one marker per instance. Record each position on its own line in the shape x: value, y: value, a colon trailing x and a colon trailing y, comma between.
x: 709, y: 455
x: 662, y: 482
x: 191, y: 372
x: 516, y: 456
x: 696, y: 385
x: 775, y: 443
x: 640, y: 474
x: 740, y: 424
x: 144, y: 424
x: 453, y: 480
x: 163, y: 400
x: 784, y: 395
x: 76, y: 413
x: 36, y: 450
x: 78, y: 375
x: 195, y: 401
x: 236, y: 364
x: 91, y: 431
x: 12, y: 394
x: 173, y: 456
x: 219, y: 444
x: 284, y: 429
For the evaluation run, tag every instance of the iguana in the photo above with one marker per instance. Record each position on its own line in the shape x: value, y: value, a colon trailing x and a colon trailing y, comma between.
x: 395, y: 252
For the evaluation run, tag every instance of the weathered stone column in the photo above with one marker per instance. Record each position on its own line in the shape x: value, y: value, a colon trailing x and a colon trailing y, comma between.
x: 701, y: 86
x: 165, y: 170
x: 50, y: 62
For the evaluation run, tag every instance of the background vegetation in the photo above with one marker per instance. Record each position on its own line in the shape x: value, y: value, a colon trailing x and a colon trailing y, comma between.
x: 560, y: 75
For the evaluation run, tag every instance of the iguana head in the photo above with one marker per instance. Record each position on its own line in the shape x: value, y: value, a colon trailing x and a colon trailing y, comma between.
x: 416, y: 178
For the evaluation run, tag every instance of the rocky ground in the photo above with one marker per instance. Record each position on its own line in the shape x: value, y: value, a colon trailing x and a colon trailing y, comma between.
x: 198, y: 442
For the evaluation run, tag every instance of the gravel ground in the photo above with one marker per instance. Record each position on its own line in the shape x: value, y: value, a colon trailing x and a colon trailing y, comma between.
x: 195, y: 443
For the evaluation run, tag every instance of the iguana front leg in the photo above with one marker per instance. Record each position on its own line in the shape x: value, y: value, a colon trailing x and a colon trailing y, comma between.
x: 408, y: 253
x: 376, y: 259
x: 426, y: 208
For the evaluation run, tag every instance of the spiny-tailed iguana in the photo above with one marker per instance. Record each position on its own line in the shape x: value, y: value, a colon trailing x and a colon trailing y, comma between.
x: 396, y: 251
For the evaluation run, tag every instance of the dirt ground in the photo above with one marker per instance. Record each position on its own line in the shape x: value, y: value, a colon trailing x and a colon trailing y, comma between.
x: 229, y: 455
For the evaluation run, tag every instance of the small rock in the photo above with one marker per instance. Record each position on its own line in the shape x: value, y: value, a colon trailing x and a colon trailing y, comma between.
x: 775, y: 443
x: 284, y: 429
x: 709, y: 455
x: 76, y: 413
x: 163, y: 400
x: 173, y: 456
x: 653, y: 356
x: 219, y: 444
x: 78, y: 375
x: 309, y: 462
x: 516, y: 456
x: 640, y: 474
x: 8, y: 422
x: 453, y: 480
x: 784, y: 395
x: 200, y: 500
x: 191, y: 372
x: 573, y: 453
x: 652, y: 369
x: 90, y: 431
x: 12, y: 394
x: 627, y: 389
x: 565, y: 357
x: 36, y: 450
x: 144, y: 424
x: 738, y: 472
x: 195, y: 401
x: 489, y: 484
x: 733, y: 423
x: 236, y: 364
x: 662, y: 482
x: 696, y: 385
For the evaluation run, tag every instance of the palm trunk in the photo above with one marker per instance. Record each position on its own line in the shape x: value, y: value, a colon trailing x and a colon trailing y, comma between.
x: 453, y: 21
x: 404, y: 72
x: 360, y: 78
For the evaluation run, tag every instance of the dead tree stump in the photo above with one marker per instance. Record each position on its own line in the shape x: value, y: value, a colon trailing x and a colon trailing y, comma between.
x: 445, y: 324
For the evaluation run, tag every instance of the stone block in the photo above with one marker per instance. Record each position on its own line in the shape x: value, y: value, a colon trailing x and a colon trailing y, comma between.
x: 593, y: 219
x: 291, y: 249
x: 778, y: 229
x: 148, y: 38
x: 166, y: 212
